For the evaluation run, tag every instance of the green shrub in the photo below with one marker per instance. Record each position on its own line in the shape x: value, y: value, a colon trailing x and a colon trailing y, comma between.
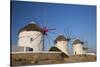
x: 54, y: 49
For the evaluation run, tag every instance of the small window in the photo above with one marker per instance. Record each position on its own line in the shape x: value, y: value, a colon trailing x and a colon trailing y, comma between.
x: 31, y: 39
x: 75, y: 52
x: 30, y: 49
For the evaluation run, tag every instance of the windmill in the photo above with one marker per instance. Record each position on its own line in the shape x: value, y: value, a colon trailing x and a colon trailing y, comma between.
x: 85, y: 42
x: 33, y: 37
x: 45, y: 31
x: 45, y: 27
x: 85, y: 47
x: 70, y: 37
x: 80, y: 46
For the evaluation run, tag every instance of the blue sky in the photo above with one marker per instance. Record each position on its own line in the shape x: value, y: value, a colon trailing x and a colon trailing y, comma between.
x: 80, y: 19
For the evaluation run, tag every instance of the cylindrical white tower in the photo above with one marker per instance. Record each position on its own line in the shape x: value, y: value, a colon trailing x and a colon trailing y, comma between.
x: 31, y: 37
x: 61, y: 43
x: 78, y: 47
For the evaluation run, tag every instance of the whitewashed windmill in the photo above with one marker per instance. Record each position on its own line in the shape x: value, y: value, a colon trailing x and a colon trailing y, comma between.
x: 77, y: 47
x: 61, y: 43
x: 31, y: 37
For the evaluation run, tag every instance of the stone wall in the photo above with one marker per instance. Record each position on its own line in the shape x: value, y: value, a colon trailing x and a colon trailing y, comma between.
x: 80, y: 58
x: 27, y: 58
x: 20, y: 59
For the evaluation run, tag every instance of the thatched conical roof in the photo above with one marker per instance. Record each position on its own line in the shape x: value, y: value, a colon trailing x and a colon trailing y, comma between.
x: 77, y: 41
x: 60, y: 38
x: 31, y: 27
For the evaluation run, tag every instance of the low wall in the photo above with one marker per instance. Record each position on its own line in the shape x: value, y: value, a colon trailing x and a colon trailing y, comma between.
x: 80, y: 58
x: 28, y: 57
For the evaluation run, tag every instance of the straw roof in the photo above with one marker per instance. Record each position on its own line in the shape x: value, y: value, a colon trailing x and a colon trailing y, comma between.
x: 77, y: 41
x: 31, y: 27
x: 60, y: 38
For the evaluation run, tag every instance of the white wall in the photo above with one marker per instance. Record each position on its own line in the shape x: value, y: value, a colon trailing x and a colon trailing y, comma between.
x: 25, y: 40
x: 78, y: 49
x: 62, y: 45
